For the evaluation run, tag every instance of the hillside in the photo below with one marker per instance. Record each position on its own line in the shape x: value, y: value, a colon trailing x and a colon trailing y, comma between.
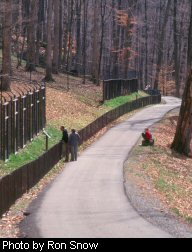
x: 75, y: 108
x: 82, y: 101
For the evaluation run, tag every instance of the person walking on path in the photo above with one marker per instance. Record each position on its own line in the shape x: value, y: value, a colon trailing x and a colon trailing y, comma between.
x: 65, y: 146
x: 74, y: 140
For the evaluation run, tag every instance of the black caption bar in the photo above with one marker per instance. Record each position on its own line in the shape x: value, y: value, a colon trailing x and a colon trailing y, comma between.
x: 95, y: 244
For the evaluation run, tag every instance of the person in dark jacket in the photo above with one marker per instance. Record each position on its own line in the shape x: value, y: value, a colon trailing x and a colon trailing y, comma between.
x: 65, y: 146
x: 147, y: 136
x: 74, y: 141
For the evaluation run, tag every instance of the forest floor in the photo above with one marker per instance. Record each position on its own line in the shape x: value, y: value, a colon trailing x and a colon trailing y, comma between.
x: 160, y: 172
x: 78, y: 107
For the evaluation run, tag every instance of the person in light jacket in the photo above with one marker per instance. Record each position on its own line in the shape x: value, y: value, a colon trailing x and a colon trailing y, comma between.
x: 74, y: 141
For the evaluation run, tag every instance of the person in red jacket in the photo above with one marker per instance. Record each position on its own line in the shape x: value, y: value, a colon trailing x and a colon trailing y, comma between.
x: 147, y: 136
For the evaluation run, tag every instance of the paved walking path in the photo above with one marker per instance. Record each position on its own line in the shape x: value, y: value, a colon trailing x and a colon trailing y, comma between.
x: 88, y: 198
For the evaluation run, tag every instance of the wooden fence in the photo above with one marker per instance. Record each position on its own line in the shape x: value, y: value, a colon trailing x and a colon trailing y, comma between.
x: 21, y: 119
x: 14, y: 185
x: 21, y: 180
x: 115, y: 88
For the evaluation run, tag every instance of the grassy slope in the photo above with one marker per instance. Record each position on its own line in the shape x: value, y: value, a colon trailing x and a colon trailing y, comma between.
x: 124, y: 99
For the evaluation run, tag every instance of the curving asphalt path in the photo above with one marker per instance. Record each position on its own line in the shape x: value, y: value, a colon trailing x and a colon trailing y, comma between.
x: 88, y: 199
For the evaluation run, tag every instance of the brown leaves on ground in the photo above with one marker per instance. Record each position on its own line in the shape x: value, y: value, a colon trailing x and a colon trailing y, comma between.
x: 175, y: 174
x: 22, y: 81
x: 64, y: 108
x: 164, y: 172
x: 69, y: 101
x: 89, y: 93
x: 61, y: 104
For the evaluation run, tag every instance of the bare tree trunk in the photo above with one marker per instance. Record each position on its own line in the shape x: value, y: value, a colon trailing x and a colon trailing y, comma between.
x: 116, y: 38
x: 103, y: 12
x: 113, y: 56
x: 182, y: 141
x: 85, y: 7
x: 95, y: 55
x: 160, y: 46
x: 37, y: 44
x: 70, y: 41
x: 146, y: 45
x: 183, y: 138
x: 6, y: 63
x: 31, y: 48
x: 65, y: 33
x: 69, y: 49
x: 21, y: 33
x: 48, y: 76
x: 60, y: 32
x: 56, y: 4
x: 176, y: 51
x: 128, y: 37
x: 39, y: 32
x: 78, y: 35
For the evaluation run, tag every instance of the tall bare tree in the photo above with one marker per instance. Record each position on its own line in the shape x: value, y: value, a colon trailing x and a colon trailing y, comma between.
x: 31, y: 34
x: 161, y: 43
x: 56, y: 4
x: 48, y: 76
x: 85, y: 14
x: 103, y: 6
x: 95, y: 54
x: 6, y: 63
x: 183, y: 138
x: 78, y: 35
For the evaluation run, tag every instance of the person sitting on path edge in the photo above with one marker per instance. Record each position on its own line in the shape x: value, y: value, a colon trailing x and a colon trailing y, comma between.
x: 74, y: 141
x: 147, y: 136
x: 65, y: 147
